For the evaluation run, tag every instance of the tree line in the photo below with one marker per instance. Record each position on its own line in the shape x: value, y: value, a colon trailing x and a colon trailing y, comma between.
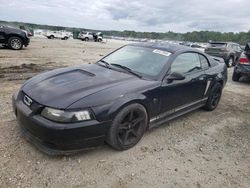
x: 195, y: 36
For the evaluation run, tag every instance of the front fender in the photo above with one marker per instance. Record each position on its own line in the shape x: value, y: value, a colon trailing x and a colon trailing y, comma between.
x: 108, y: 111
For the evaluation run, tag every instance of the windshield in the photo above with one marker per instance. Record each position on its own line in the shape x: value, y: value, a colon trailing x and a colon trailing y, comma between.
x: 142, y: 60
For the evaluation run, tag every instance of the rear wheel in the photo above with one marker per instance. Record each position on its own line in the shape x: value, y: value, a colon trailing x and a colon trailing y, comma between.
x: 128, y: 127
x: 236, y: 76
x: 86, y: 39
x: 214, y: 97
x: 51, y: 37
x: 15, y: 43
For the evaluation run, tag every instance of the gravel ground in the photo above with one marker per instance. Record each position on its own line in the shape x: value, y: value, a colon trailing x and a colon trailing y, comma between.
x: 200, y: 149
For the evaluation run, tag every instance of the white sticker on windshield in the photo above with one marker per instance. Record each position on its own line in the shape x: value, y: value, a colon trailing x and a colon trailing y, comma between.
x: 161, y: 52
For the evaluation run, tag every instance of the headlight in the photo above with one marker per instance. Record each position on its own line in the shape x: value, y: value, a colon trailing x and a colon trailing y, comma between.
x: 66, y: 116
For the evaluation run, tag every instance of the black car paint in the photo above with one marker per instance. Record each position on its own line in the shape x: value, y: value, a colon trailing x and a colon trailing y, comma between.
x: 106, y: 91
x: 244, y: 69
x: 7, y: 32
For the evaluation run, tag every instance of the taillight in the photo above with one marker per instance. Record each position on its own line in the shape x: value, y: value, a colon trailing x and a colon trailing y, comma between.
x: 243, y: 59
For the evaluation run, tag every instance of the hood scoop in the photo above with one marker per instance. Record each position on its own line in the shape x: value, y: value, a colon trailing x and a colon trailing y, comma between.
x: 70, y: 76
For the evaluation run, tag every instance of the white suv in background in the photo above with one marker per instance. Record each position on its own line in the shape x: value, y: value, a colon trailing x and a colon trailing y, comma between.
x: 64, y: 35
x: 86, y: 36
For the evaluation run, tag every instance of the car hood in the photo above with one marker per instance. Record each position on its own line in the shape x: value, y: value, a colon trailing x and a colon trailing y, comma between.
x: 62, y: 87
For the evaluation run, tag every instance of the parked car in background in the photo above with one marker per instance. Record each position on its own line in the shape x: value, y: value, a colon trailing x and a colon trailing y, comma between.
x: 64, y: 35
x: 229, y: 51
x: 242, y: 67
x: 199, y: 46
x: 13, y: 38
x: 117, y: 99
x: 30, y: 32
x: 86, y: 36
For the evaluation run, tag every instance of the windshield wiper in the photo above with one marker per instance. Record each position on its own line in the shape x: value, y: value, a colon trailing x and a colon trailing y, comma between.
x: 105, y: 63
x: 127, y: 69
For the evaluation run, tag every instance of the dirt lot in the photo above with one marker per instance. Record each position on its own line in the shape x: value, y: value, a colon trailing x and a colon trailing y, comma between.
x: 200, y: 149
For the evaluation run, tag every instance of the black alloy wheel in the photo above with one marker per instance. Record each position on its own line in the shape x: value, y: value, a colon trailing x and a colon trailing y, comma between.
x: 128, y: 127
x: 214, y: 97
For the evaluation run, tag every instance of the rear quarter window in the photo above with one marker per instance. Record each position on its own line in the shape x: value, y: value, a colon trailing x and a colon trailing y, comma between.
x: 204, y: 62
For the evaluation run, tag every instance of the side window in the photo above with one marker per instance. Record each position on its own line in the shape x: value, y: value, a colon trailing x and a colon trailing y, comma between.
x: 231, y: 46
x: 186, y: 62
x: 204, y: 62
x: 239, y: 48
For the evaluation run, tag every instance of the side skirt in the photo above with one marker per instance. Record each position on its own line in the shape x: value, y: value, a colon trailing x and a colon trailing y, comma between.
x: 179, y: 111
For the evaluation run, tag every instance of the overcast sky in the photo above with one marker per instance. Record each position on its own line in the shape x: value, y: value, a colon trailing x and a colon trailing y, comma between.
x: 139, y: 15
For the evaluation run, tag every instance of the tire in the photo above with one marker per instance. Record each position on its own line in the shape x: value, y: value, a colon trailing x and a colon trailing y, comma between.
x: 86, y: 39
x: 128, y: 127
x: 214, y: 97
x: 99, y: 40
x: 15, y: 43
x: 230, y: 62
x: 51, y: 37
x: 236, y: 76
x: 65, y: 38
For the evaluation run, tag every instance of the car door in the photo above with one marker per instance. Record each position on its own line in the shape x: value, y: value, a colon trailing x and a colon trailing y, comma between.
x: 184, y: 93
x: 90, y: 35
x: 2, y: 34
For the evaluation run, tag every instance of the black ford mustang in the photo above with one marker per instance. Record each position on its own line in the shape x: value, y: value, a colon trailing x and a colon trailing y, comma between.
x: 118, y: 98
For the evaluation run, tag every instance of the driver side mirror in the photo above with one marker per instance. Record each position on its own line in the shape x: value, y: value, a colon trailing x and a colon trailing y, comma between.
x: 175, y: 76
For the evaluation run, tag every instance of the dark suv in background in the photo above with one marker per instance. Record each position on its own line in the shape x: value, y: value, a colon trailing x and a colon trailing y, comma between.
x: 242, y: 67
x: 13, y: 38
x: 229, y: 51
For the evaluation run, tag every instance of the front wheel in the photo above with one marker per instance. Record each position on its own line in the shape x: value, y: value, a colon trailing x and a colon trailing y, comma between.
x: 15, y: 43
x: 214, y: 97
x: 128, y: 127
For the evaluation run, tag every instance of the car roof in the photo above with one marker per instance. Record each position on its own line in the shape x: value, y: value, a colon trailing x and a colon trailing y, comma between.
x: 162, y: 46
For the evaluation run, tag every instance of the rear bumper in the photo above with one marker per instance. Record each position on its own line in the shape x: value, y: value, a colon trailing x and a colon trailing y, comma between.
x: 242, y: 69
x: 56, y: 138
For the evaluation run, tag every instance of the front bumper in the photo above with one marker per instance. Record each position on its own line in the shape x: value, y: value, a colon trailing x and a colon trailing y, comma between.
x: 57, y: 138
x: 26, y: 42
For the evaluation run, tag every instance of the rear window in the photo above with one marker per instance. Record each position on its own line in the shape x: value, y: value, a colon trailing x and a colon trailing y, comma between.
x: 218, y: 44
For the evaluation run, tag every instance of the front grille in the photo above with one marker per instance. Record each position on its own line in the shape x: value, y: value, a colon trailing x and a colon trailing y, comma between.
x: 35, y: 107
